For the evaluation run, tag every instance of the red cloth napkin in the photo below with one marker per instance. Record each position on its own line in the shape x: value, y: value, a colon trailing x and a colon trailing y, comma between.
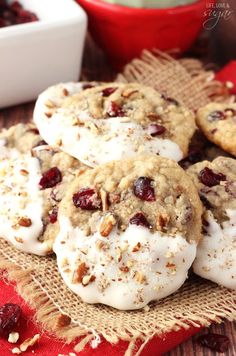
x: 49, y: 346
x: 228, y: 74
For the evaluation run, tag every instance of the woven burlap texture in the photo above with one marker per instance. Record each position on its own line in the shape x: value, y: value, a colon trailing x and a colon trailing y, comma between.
x: 198, y: 302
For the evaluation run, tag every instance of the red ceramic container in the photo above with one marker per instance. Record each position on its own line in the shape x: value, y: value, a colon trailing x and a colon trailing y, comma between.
x: 123, y: 32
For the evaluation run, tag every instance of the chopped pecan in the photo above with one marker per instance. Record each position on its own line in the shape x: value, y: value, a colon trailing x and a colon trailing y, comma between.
x: 25, y: 222
x: 65, y: 92
x: 124, y: 269
x: 104, y: 198
x: 80, y: 273
x: 107, y: 225
x: 88, y: 279
x: 162, y: 221
x: 128, y: 92
x: 139, y: 277
x: 62, y: 320
x: 137, y: 247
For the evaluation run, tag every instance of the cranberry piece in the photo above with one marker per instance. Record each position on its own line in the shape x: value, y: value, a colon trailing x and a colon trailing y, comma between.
x: 16, y: 6
x: 140, y: 220
x: 156, y: 130
x: 53, y: 216
x: 115, y: 110
x: 170, y: 100
x: 86, y: 199
x: 209, y: 178
x: 9, y: 318
x: 108, y: 91
x: 216, y: 342
x: 143, y: 189
x: 87, y: 86
x: 14, y: 13
x: 50, y: 178
x: 215, y: 116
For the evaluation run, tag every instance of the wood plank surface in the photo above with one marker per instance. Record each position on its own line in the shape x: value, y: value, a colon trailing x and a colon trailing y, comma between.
x: 95, y: 67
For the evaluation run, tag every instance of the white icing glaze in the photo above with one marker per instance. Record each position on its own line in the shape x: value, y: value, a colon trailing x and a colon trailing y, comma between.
x: 216, y: 253
x: 104, y: 140
x: 20, y: 197
x: 162, y: 260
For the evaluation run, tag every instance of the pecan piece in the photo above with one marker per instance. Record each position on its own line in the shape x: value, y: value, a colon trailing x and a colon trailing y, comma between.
x: 107, y: 225
x: 80, y: 273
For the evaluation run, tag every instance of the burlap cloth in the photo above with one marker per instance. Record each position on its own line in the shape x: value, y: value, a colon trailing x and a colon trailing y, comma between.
x: 198, y: 302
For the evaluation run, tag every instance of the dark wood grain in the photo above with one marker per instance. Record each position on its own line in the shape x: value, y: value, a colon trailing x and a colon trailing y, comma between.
x: 95, y: 67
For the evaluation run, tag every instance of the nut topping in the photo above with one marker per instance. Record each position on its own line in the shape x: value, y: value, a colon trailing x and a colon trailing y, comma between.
x: 79, y: 273
x: 24, y: 221
x: 107, y: 225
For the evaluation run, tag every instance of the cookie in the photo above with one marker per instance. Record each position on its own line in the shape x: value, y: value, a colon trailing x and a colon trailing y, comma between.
x: 32, y: 183
x: 218, y: 123
x: 128, y: 232
x: 22, y: 137
x: 113, y: 121
x: 216, y: 253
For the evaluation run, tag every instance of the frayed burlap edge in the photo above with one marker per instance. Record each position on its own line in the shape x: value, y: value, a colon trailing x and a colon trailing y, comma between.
x: 47, y: 312
x: 188, y: 82
x: 184, y: 79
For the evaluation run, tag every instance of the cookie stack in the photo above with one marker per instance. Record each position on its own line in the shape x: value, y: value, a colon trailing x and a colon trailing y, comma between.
x: 97, y: 181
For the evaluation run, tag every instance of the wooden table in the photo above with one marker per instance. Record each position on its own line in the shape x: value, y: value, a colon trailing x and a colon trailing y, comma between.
x: 93, y: 69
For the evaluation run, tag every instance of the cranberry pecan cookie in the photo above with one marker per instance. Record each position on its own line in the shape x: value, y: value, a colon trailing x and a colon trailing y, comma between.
x: 113, y: 121
x: 216, y: 253
x: 128, y: 232
x: 218, y: 123
x: 22, y: 137
x: 32, y: 183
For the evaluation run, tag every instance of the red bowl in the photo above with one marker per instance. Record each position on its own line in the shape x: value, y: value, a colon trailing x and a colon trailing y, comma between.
x: 123, y: 32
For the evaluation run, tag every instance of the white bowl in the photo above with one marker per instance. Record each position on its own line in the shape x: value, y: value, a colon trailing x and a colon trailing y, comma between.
x: 36, y: 55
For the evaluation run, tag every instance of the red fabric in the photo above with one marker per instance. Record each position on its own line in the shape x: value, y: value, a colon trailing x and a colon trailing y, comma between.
x: 228, y: 73
x: 49, y: 346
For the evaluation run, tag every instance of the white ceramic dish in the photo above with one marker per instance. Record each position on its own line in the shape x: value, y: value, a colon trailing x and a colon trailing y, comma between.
x: 36, y: 55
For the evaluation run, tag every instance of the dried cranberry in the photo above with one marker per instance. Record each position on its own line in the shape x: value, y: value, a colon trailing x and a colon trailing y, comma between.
x: 216, y: 342
x: 215, y: 116
x: 209, y: 178
x: 15, y: 5
x: 156, y: 130
x: 115, y: 110
x: 108, y: 91
x: 50, y: 178
x: 87, y: 86
x: 143, y: 189
x: 14, y: 13
x: 9, y: 318
x: 53, y: 216
x: 87, y: 199
x: 170, y: 100
x: 140, y: 220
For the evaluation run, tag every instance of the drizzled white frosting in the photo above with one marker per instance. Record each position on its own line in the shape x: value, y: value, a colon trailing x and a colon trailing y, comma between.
x: 21, y: 198
x: 157, y: 268
x: 102, y: 140
x: 216, y: 253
